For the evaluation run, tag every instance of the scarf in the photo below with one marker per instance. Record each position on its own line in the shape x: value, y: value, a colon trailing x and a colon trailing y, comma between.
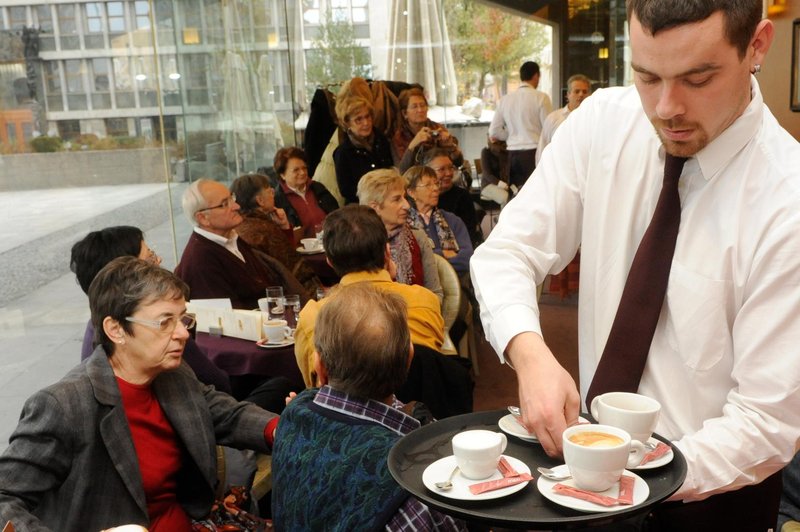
x: 446, y: 237
x: 406, y: 255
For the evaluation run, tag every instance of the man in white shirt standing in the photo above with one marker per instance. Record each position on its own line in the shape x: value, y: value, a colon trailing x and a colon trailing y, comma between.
x: 722, y: 361
x: 518, y: 121
x: 579, y: 87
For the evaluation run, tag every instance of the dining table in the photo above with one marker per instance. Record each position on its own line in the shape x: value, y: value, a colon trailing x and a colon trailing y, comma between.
x: 241, y: 358
x: 526, y: 508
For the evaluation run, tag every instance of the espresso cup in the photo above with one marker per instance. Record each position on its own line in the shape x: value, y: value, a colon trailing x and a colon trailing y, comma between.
x: 634, y: 413
x: 596, y: 455
x: 276, y: 331
x: 478, y: 452
x: 310, y: 243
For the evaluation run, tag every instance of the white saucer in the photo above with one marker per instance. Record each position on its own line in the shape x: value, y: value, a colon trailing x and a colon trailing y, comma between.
x: 640, y: 493
x: 441, y: 469
x: 510, y: 425
x: 275, y: 345
x: 304, y: 251
x: 662, y: 460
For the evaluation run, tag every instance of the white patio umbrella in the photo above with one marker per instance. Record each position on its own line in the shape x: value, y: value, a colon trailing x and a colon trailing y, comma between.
x: 419, y: 49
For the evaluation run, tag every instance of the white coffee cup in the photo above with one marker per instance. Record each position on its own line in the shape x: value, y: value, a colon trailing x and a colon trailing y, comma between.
x: 596, y: 455
x: 477, y: 452
x: 634, y: 413
x: 310, y: 243
x: 276, y: 331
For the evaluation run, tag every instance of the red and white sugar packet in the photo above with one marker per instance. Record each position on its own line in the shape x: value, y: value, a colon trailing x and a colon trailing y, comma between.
x: 506, y: 469
x: 491, y: 485
x: 625, y: 493
x: 660, y: 450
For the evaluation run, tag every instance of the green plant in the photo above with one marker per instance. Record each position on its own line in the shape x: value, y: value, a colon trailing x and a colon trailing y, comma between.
x: 45, y: 144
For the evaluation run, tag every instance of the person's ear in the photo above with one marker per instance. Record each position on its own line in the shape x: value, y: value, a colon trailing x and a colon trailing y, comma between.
x: 113, y: 330
x: 761, y: 42
x: 410, y: 353
x: 320, y: 369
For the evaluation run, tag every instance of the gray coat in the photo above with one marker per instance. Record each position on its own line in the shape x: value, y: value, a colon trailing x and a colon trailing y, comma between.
x: 71, y: 464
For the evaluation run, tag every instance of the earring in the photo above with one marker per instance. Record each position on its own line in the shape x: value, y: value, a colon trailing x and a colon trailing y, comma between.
x: 756, y: 69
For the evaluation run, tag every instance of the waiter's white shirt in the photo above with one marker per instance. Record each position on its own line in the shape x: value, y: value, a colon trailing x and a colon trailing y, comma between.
x: 724, y: 359
x: 549, y: 127
x: 519, y: 117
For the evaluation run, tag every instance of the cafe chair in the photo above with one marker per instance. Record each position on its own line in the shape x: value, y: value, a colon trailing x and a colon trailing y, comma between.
x: 9, y: 527
x: 456, y: 305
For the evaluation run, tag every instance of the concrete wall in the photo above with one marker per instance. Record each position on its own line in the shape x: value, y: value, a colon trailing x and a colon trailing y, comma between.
x: 30, y: 171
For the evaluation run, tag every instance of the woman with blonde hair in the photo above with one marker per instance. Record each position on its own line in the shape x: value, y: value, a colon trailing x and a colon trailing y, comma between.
x: 384, y: 191
x: 363, y: 147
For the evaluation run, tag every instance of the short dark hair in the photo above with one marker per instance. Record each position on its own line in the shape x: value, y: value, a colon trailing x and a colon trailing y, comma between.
x: 528, y: 70
x: 98, y: 248
x: 433, y: 153
x: 122, y: 286
x: 741, y: 16
x: 362, y: 337
x: 281, y: 160
x: 246, y: 188
x: 355, y: 239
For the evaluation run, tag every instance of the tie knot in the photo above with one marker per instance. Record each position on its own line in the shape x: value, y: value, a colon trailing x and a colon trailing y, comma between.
x: 673, y: 166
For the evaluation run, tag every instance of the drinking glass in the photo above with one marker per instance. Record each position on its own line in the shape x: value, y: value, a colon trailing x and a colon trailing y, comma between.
x: 275, y: 301
x: 291, y: 309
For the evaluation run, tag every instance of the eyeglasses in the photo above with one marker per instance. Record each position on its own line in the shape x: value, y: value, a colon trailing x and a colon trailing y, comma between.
x: 166, y: 325
x: 417, y: 106
x: 224, y: 205
x: 433, y: 185
x: 445, y: 169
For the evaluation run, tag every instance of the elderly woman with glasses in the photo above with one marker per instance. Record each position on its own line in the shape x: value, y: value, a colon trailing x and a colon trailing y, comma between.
x: 384, y: 191
x: 452, y: 197
x: 129, y: 435
x: 418, y: 133
x: 447, y: 232
x: 306, y: 202
x: 362, y: 148
x: 266, y: 228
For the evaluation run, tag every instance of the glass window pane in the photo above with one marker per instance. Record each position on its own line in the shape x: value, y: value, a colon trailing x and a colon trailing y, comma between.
x: 359, y: 15
x: 66, y: 19
x: 17, y: 18
x: 73, y: 76
x: 94, y: 17
x: 100, y: 71
x: 142, y: 10
x: 116, y: 17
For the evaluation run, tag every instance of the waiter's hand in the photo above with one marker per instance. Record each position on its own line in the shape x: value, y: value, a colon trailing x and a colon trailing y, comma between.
x: 548, y: 397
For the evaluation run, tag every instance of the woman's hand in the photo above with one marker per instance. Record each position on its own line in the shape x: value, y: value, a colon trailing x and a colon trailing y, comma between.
x: 422, y: 136
x: 279, y: 217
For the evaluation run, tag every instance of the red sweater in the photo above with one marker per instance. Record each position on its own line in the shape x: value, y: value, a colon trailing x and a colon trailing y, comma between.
x: 159, y: 453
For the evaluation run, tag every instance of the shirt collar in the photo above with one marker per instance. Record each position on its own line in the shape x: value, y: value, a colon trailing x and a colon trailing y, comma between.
x: 218, y: 239
x: 721, y: 150
x: 367, y: 409
x: 357, y: 277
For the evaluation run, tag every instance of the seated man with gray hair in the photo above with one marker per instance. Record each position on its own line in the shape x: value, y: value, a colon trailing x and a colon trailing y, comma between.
x: 216, y: 263
x: 362, y: 354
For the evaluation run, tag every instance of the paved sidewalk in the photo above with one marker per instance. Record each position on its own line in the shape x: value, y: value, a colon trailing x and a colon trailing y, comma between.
x: 42, y: 331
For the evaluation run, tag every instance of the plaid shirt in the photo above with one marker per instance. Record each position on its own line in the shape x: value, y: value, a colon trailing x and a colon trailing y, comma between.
x: 413, y: 515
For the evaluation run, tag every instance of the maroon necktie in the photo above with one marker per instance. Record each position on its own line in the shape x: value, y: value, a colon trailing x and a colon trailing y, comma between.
x: 621, y: 366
